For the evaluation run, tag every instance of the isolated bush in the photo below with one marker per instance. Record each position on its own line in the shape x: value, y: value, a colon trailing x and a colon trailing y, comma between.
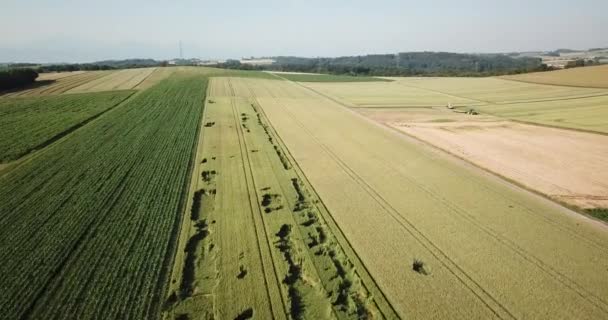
x: 418, y: 266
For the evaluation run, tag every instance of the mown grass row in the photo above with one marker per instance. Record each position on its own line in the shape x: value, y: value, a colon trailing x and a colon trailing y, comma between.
x: 31, y: 123
x: 87, y: 227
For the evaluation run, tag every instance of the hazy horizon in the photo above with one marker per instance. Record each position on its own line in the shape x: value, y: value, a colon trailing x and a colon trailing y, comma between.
x: 83, y: 31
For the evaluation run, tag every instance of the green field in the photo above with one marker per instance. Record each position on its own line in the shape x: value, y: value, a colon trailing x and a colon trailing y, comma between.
x: 112, y: 194
x: 28, y: 124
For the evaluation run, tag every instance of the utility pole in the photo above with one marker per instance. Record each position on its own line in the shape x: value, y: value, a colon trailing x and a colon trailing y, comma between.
x: 397, y: 57
x: 181, y: 52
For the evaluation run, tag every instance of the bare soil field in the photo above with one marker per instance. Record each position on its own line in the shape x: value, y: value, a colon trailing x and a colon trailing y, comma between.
x: 592, y: 77
x: 565, y: 165
x: 489, y: 249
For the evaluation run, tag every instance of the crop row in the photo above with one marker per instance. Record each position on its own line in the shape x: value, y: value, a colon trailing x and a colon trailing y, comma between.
x: 86, y: 228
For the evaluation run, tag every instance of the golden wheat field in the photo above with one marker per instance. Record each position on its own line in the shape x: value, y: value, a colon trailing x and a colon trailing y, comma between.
x: 491, y: 249
x: 593, y: 76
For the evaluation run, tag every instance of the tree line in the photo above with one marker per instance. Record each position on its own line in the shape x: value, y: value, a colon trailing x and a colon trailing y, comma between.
x: 402, y: 64
x: 15, y: 78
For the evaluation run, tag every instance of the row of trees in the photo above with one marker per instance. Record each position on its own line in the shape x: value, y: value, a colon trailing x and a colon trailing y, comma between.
x: 403, y: 64
x: 16, y: 78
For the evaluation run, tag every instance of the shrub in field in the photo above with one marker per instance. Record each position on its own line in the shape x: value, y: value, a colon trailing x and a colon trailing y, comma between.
x: 418, y: 266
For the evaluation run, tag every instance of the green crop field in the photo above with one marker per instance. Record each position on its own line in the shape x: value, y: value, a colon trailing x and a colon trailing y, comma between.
x: 28, y: 124
x: 112, y: 192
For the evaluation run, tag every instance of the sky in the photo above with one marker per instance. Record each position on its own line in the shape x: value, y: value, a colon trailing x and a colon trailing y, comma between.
x: 86, y: 31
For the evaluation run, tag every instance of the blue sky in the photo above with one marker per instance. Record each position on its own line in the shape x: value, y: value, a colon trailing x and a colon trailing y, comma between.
x: 80, y: 31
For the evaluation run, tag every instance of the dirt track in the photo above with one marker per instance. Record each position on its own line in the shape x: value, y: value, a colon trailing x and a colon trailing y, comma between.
x: 567, y: 166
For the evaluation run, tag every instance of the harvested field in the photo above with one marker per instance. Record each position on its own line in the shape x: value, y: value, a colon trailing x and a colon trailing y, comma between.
x: 591, y: 77
x: 119, y: 80
x: 481, y: 248
x: 60, y: 85
x: 567, y: 166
